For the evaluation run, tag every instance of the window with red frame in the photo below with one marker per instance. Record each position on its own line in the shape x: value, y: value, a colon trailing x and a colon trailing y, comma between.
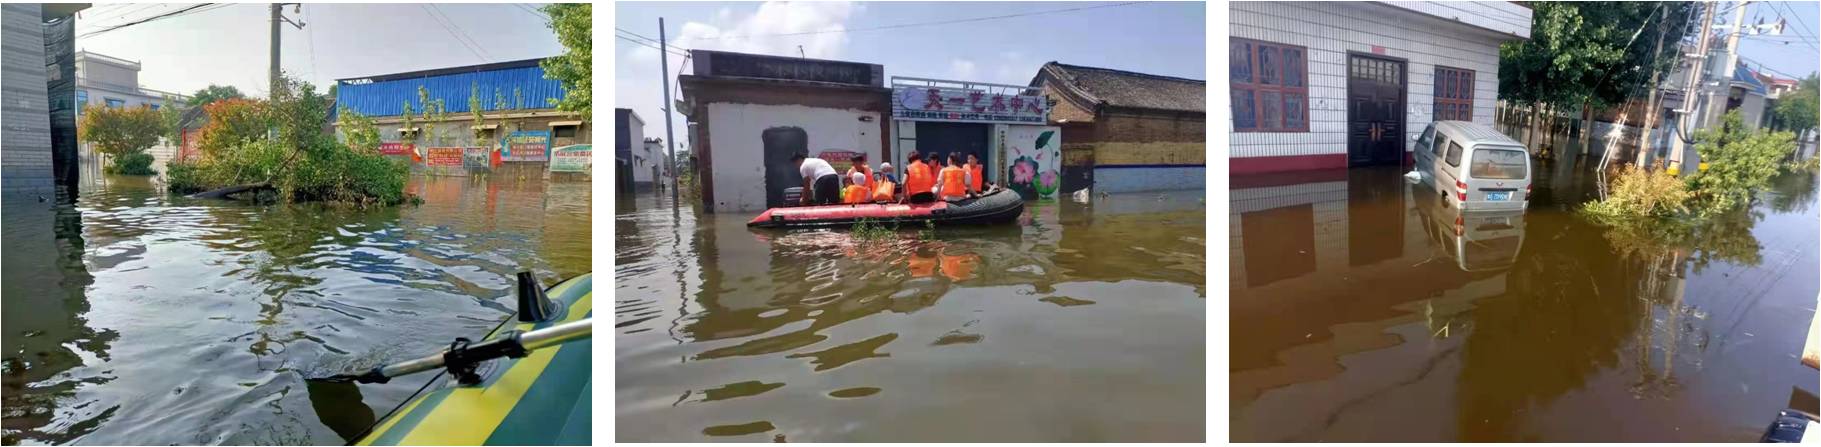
x: 1453, y: 94
x: 1270, y: 86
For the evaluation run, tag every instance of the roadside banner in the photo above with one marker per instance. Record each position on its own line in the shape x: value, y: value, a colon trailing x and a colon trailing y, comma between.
x: 575, y: 158
x: 529, y: 145
x: 395, y: 148
x: 443, y: 156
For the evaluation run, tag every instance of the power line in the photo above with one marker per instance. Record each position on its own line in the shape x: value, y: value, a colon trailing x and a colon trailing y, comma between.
x: 446, y: 27
x: 463, y: 32
x: 653, y: 44
x: 910, y: 25
x: 150, y: 19
x: 533, y: 11
x: 122, y: 12
x: 1811, y: 33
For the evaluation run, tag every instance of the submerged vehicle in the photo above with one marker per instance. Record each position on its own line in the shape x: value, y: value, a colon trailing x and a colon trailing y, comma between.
x: 1474, y: 165
x: 996, y: 206
x: 527, y: 384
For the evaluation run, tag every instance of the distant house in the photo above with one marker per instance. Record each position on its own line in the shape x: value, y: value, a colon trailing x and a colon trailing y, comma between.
x: 628, y: 139
x: 1127, y: 131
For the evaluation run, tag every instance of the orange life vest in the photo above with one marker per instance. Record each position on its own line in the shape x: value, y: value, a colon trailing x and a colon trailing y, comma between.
x: 863, y: 170
x: 954, y: 182
x: 978, y: 180
x: 882, y: 191
x: 918, y: 179
x: 855, y: 194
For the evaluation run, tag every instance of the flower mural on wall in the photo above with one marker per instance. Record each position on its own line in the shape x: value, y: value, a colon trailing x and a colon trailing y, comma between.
x: 1035, y: 160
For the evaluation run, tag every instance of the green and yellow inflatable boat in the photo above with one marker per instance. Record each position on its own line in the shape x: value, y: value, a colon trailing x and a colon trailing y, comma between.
x: 542, y: 398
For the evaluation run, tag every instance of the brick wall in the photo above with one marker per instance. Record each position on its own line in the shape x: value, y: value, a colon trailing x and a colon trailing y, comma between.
x: 25, y: 141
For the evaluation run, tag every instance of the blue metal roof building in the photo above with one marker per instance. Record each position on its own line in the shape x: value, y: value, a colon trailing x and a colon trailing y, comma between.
x: 386, y: 95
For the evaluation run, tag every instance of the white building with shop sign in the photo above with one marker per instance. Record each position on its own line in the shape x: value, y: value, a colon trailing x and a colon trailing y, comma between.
x: 1001, y: 125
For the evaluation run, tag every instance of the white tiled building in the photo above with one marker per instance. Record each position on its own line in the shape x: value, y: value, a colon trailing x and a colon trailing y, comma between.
x: 1292, y: 85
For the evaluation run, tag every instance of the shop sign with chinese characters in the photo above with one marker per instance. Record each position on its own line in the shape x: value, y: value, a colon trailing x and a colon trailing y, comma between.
x: 965, y: 105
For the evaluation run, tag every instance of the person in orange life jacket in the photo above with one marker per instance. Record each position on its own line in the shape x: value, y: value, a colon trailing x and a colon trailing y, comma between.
x: 857, y: 191
x: 821, y: 186
x: 859, y: 167
x: 884, y: 185
x: 952, y: 181
x: 918, y: 178
x: 976, y: 178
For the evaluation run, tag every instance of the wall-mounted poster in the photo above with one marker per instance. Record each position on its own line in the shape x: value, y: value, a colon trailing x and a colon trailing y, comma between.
x: 529, y: 145
x: 840, y: 159
x: 477, y: 157
x: 1034, y: 157
x: 576, y: 158
x: 443, y: 156
x: 395, y: 148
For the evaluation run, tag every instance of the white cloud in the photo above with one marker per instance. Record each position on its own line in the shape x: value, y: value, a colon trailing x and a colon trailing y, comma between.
x: 758, y: 33
x: 961, y: 69
x: 638, y: 86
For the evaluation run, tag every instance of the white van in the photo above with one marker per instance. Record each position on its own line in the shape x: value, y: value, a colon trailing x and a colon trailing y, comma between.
x: 1474, y: 166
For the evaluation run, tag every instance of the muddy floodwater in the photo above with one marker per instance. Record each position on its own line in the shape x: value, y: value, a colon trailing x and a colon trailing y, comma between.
x: 1078, y: 323
x: 1364, y: 310
x: 137, y: 317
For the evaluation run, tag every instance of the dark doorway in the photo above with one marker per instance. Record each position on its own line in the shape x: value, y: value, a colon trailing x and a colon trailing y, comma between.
x: 780, y: 174
x: 967, y: 138
x: 1077, y: 169
x: 1375, y: 111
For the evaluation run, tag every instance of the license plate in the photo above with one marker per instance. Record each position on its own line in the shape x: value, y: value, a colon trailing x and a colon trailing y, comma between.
x: 1498, y: 196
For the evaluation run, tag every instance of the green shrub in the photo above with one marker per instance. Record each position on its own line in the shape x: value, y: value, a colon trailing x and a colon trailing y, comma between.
x: 136, y: 163
x: 296, y: 157
x: 1640, y: 193
x: 1740, y: 162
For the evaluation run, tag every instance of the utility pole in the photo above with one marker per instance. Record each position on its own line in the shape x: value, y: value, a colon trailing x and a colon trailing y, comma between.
x: 277, y: 18
x: 1642, y: 159
x: 669, y: 135
x: 1693, y: 91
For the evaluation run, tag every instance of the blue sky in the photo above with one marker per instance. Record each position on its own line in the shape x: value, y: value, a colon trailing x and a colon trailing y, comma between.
x: 1785, y: 53
x: 229, y: 44
x: 1159, y: 38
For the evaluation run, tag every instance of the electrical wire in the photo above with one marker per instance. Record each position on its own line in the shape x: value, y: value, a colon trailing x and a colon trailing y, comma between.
x: 451, y: 31
x: 654, y: 46
x: 533, y: 11
x: 910, y: 25
x: 463, y: 32
x: 153, y: 18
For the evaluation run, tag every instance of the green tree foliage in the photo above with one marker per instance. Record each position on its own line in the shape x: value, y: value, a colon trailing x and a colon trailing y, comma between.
x: 169, y: 114
x: 1590, y: 52
x: 213, y: 93
x: 1740, y: 162
x: 574, y: 26
x: 359, y: 131
x: 120, y: 131
x: 1637, y: 192
x: 137, y: 163
x: 298, y: 156
x: 1797, y: 110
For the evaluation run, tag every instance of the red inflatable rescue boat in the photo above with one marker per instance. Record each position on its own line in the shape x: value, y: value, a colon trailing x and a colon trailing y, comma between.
x: 996, y: 206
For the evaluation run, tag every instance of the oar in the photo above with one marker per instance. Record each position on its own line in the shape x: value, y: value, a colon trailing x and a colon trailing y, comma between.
x: 462, y: 357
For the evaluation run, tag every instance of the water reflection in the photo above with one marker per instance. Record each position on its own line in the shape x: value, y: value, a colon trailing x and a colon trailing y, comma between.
x: 133, y: 316
x: 1079, y: 324
x: 1422, y: 323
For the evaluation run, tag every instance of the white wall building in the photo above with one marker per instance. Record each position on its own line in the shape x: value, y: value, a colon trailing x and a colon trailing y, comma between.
x: 1331, y: 84
x: 114, y: 82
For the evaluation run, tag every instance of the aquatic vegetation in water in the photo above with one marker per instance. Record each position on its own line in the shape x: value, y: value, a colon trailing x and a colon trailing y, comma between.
x: 867, y: 230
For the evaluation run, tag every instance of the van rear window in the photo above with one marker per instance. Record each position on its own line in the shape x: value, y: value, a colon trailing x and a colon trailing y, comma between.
x: 1499, y: 164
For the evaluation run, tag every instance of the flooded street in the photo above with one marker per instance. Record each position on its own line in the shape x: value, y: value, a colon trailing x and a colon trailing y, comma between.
x: 138, y: 317
x: 1364, y: 310
x: 1079, y: 323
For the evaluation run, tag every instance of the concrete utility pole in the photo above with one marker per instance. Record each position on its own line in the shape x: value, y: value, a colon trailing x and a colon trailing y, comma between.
x: 277, y: 18
x: 1691, y: 97
x: 669, y: 135
x: 1650, y: 116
